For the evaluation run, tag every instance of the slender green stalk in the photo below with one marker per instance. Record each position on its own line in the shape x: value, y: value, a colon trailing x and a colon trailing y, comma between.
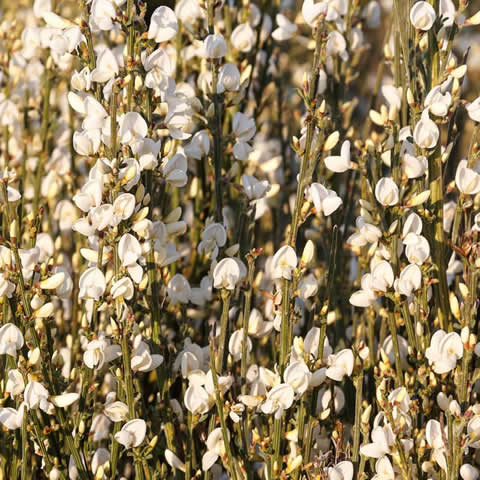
x: 130, y: 52
x: 396, y: 350
x: 44, y: 138
x: 127, y: 376
x: 225, y: 432
x: 358, y: 382
x: 219, y: 362
x: 311, y: 104
x: 217, y: 122
x: 188, y: 460
x: 437, y: 243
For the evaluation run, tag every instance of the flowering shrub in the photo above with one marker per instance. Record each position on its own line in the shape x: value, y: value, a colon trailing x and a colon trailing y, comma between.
x: 239, y: 240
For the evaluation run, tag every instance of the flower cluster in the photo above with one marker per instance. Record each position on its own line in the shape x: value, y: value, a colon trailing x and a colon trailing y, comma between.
x: 239, y: 241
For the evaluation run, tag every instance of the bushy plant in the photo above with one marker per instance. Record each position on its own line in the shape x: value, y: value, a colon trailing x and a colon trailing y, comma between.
x: 239, y: 239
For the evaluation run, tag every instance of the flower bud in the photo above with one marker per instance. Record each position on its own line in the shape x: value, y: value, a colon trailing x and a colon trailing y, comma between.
x: 308, y: 253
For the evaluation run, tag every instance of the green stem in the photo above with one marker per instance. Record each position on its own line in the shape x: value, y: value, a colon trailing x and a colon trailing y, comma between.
x: 219, y: 363
x: 225, y: 433
x: 396, y: 350
x: 44, y: 139
x: 358, y: 419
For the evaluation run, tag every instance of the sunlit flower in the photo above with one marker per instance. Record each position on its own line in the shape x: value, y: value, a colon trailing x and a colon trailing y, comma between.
x: 132, y: 433
x: 11, y: 339
x: 422, y: 15
x: 163, y: 25
x: 444, y: 351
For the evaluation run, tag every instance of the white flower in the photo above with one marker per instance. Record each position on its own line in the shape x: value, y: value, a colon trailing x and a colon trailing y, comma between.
x: 379, y: 280
x: 418, y: 248
x: 116, y: 411
x: 51, y: 283
x: 123, y: 208
x: 36, y: 396
x: 163, y: 25
x: 342, y: 162
x: 12, y: 195
x: 132, y: 433
x: 90, y: 196
x: 255, y: 189
x: 386, y: 192
x: 188, y: 11
x: 384, y: 469
x: 197, y: 400
x: 243, y: 38
x: 372, y: 13
x: 434, y: 435
x: 99, y: 352
x: 11, y: 418
x: 215, y: 46
x: 466, y: 179
x: 413, y: 224
x: 426, y: 133
x: 6, y: 287
x: 92, y: 284
x: 213, y: 237
x: 241, y: 150
x: 172, y: 459
x: 393, y: 96
x: 311, y: 11
x: 179, y: 290
x: 366, y: 295
x: 473, y: 110
x: 444, y: 351
x: 29, y: 259
x: 227, y: 274
x: 284, y: 262
x: 11, y: 339
x: 367, y: 233
x: 133, y: 128
x: 422, y: 16
x: 340, y: 364
x: 326, y: 201
x: 235, y: 344
x: 308, y: 286
x: 410, y: 280
x: 324, y: 400
x: 341, y: 471
x: 107, y: 67
x: 228, y: 78
x: 199, y: 145
x: 336, y: 45
x: 438, y: 101
x: 383, y: 439
x: 257, y: 326
x: 286, y: 29
x: 468, y: 472
x: 65, y: 399
x: 447, y: 12
x: 298, y: 376
x: 142, y: 359
x: 15, y: 383
x: 279, y: 399
x: 243, y: 127
x: 129, y: 252
x: 311, y: 343
x: 99, y: 459
x: 413, y: 166
x: 8, y: 113
x: 123, y: 288
x: 215, y: 448
x: 382, y: 276
x: 175, y: 169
